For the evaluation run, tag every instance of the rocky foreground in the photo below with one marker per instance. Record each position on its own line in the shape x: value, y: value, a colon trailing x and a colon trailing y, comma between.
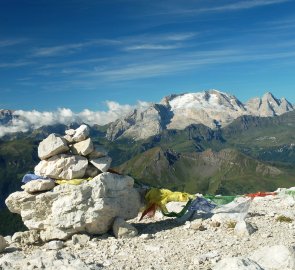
x: 75, y: 209
x: 266, y: 242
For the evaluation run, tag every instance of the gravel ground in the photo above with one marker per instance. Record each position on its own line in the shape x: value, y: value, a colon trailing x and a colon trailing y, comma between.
x: 165, y: 243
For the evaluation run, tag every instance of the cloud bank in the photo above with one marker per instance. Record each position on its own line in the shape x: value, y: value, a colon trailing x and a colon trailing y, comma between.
x: 24, y: 121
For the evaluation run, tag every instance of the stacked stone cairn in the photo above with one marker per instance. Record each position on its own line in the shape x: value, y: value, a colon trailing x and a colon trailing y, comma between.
x: 88, y: 198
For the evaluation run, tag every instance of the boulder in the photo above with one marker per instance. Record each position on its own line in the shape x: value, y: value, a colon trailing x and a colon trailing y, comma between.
x: 38, y: 186
x: 81, y: 133
x: 62, y: 167
x: 237, y: 264
x: 103, y: 163
x: 244, y: 228
x: 82, y: 148
x: 51, y: 146
x: 122, y: 229
x: 275, y: 257
x: 3, y: 243
x: 69, y: 209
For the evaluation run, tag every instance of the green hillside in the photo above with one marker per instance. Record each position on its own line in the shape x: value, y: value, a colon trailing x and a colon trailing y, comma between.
x: 227, y: 171
x: 16, y: 158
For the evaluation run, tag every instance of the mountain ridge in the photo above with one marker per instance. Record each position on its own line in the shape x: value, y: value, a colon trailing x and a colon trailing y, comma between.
x: 212, y: 108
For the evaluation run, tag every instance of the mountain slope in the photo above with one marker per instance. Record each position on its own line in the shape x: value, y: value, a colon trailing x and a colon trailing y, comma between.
x: 226, y: 172
x: 16, y: 158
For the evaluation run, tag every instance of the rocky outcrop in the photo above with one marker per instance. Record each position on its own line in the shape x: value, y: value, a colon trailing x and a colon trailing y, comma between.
x: 69, y: 209
x: 78, y: 203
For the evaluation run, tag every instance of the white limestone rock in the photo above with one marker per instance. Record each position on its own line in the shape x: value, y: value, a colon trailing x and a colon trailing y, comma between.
x: 70, y: 132
x: 27, y: 237
x: 55, y: 245
x: 275, y: 257
x: 82, y: 148
x: 62, y: 167
x: 80, y: 239
x: 122, y: 229
x: 244, y: 228
x: 69, y: 139
x: 103, y: 163
x: 8, y: 239
x: 39, y: 259
x: 38, y: 185
x: 237, y: 264
x: 81, y: 133
x: 3, y: 243
x: 68, y: 209
x: 51, y: 146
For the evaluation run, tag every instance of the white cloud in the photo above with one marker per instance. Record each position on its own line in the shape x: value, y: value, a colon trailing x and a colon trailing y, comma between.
x: 10, y: 42
x: 152, y: 47
x: 28, y: 120
x: 15, y: 64
x: 70, y: 48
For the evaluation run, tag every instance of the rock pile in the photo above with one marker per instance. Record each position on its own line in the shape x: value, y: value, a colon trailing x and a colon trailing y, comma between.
x: 87, y: 199
x: 72, y: 156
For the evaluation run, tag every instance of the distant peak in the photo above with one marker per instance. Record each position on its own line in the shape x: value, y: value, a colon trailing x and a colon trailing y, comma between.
x: 268, y: 94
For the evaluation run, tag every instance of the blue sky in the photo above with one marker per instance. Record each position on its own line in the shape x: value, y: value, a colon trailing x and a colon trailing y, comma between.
x: 78, y: 54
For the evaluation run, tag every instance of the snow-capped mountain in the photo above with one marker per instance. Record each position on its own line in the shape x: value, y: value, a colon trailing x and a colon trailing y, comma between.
x: 212, y: 108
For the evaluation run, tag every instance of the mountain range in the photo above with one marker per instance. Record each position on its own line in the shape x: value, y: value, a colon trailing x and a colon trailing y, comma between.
x: 212, y: 108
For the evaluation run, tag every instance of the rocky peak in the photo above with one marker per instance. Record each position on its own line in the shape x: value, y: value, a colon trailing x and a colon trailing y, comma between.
x: 141, y: 124
x: 268, y: 105
x: 212, y: 108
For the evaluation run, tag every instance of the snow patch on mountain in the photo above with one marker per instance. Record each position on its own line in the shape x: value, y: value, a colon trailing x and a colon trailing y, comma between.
x: 212, y: 108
